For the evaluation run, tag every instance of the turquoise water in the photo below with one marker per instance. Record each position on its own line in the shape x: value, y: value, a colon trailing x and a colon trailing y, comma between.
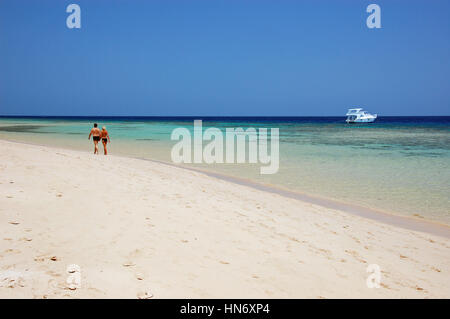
x: 398, y: 165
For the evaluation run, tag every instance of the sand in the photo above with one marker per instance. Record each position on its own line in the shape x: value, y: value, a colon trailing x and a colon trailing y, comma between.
x: 137, y: 228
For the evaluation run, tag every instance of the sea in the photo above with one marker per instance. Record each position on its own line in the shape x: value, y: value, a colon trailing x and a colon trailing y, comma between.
x: 397, y: 165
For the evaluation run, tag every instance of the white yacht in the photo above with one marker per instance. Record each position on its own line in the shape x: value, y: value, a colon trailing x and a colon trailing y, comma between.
x: 360, y: 116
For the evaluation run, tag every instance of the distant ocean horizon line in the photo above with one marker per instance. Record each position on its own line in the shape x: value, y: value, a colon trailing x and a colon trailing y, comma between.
x: 210, y: 116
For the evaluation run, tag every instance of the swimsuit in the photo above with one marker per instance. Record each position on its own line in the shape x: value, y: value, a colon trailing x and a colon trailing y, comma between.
x: 96, y: 138
x: 104, y: 139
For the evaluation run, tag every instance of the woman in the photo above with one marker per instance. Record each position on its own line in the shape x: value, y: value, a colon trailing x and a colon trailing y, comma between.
x: 105, y: 139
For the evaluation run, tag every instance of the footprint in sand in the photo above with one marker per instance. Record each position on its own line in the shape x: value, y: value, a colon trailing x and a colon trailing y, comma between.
x: 128, y: 264
x: 144, y: 295
x: 12, y: 279
x: 435, y: 269
x: 73, y: 281
x: 139, y: 276
x: 12, y: 251
x: 53, y: 274
x: 355, y: 255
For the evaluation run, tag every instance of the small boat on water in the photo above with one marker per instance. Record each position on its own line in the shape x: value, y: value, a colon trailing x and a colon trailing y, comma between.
x: 358, y: 115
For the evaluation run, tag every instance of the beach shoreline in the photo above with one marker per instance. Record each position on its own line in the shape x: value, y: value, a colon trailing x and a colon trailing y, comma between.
x: 393, y: 167
x: 135, y: 226
x: 408, y: 222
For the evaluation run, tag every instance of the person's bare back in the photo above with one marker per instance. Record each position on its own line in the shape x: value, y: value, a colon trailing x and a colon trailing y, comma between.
x: 95, y: 132
x: 105, y: 139
x: 104, y: 133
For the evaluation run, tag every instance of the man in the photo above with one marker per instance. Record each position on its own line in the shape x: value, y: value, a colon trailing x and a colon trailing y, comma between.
x: 95, y: 132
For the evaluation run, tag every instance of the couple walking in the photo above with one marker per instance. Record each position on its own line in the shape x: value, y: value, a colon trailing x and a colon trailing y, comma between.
x: 97, y: 135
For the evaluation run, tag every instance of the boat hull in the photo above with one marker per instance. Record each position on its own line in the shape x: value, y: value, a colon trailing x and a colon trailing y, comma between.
x: 361, y: 121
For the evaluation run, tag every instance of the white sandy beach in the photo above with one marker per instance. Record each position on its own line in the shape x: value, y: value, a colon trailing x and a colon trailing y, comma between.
x: 135, y: 226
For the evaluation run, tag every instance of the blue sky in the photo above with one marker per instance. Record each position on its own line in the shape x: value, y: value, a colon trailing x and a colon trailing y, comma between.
x: 234, y: 57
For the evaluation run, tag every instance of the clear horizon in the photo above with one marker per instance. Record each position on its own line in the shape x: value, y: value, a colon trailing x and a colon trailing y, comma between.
x: 208, y: 116
x: 222, y: 58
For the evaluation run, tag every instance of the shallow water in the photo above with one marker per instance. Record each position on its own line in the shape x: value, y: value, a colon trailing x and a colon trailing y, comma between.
x: 398, y: 164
